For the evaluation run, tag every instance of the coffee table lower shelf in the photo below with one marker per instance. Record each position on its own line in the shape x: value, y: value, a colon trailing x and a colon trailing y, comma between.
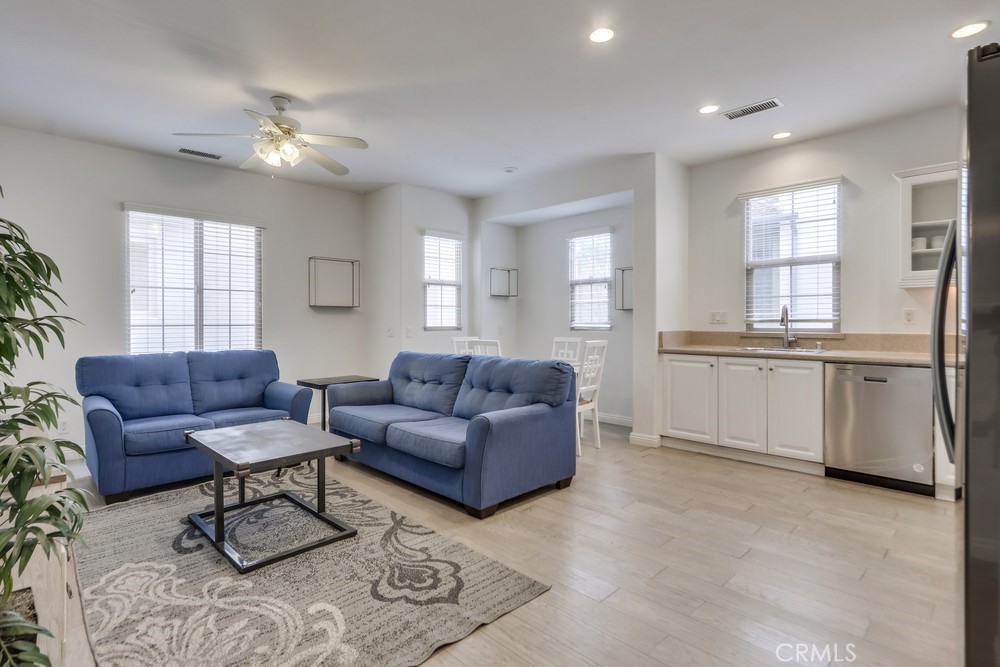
x: 198, y: 519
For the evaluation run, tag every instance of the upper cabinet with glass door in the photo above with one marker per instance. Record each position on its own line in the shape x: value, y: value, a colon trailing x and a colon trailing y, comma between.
x: 928, y: 203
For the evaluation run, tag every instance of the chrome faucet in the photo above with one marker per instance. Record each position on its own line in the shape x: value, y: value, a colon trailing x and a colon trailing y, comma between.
x: 790, y: 339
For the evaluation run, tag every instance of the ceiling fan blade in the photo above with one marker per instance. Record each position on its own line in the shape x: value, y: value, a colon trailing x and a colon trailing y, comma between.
x: 212, y: 134
x: 266, y: 124
x: 322, y: 160
x: 334, y: 140
x: 250, y: 161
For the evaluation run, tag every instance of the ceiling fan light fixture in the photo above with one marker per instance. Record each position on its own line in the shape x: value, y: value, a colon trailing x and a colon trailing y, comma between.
x: 289, y: 151
x: 268, y: 152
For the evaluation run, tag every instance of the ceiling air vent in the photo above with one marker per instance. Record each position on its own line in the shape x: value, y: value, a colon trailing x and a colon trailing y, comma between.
x: 756, y: 107
x: 210, y: 156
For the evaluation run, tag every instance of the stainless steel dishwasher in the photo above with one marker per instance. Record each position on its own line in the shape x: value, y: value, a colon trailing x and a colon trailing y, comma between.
x: 878, y: 426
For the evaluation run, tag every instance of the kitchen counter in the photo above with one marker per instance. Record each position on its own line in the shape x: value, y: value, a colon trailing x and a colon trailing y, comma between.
x: 829, y: 356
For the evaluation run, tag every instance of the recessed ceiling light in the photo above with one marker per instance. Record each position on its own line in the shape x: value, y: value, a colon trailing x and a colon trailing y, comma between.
x: 781, y: 135
x: 970, y: 30
x: 711, y: 108
x: 509, y: 170
x: 602, y: 35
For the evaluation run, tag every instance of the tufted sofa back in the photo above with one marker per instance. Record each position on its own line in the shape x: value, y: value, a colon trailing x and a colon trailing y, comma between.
x: 498, y: 383
x: 140, y: 385
x: 230, y: 378
x: 427, y: 381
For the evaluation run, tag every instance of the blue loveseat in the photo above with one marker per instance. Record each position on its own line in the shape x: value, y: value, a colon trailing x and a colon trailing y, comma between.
x: 136, y: 409
x: 479, y: 430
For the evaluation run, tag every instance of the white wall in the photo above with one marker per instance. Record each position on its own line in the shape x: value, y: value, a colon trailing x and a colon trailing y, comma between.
x: 395, y: 220
x: 871, y: 300
x: 543, y: 306
x: 659, y: 198
x: 67, y: 194
x: 497, y: 316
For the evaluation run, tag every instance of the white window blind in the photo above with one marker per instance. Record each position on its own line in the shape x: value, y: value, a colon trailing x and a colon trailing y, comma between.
x: 590, y: 282
x: 442, y: 283
x: 793, y: 257
x: 192, y: 284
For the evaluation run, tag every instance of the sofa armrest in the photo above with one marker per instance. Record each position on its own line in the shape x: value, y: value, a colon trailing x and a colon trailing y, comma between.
x: 291, y: 398
x: 105, y: 444
x: 359, y: 393
x: 509, y: 452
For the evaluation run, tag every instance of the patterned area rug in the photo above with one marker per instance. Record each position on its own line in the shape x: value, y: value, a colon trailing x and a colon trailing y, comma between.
x: 156, y: 593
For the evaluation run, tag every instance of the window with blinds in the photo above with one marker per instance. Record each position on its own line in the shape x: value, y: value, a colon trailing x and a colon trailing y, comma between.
x: 590, y: 282
x: 442, y: 283
x: 793, y: 257
x: 192, y: 284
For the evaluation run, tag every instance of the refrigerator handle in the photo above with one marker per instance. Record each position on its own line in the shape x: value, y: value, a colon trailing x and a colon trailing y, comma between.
x: 942, y: 406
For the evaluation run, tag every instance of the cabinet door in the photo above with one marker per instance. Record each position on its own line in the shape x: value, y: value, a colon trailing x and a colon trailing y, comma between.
x: 928, y: 204
x: 691, y: 397
x: 743, y: 403
x: 795, y: 409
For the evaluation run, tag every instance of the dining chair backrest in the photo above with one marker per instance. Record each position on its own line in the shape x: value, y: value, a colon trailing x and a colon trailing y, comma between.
x: 490, y: 348
x: 567, y: 349
x: 463, y: 345
x: 591, y: 369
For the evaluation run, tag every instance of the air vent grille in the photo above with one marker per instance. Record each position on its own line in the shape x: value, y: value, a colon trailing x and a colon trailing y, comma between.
x: 749, y: 109
x: 210, y: 156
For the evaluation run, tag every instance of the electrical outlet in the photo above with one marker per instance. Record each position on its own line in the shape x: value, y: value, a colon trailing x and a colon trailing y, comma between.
x: 409, y: 332
x: 63, y: 426
x: 717, y: 317
x: 391, y: 332
x: 909, y: 314
x: 499, y: 331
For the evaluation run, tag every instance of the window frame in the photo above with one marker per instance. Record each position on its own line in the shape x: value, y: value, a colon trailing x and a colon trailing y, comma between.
x: 804, y: 326
x: 578, y: 282
x: 199, y: 286
x: 429, y: 283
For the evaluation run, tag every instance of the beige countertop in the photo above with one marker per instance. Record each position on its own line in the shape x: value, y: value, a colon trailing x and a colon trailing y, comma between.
x: 835, y: 356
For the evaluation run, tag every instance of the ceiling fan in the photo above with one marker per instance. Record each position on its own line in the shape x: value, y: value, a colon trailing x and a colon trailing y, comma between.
x: 281, y: 139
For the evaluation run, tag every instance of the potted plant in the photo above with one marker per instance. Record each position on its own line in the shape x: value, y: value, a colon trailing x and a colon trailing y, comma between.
x: 49, y: 521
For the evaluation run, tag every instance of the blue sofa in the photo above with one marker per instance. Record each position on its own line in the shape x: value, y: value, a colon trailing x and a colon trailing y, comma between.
x: 136, y: 409
x: 479, y: 430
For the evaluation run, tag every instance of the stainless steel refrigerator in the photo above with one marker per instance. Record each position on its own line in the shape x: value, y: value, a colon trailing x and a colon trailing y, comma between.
x: 972, y: 430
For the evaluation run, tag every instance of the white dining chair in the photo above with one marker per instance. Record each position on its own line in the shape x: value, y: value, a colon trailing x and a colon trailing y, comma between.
x: 588, y: 388
x: 567, y: 349
x: 463, y: 344
x: 489, y: 348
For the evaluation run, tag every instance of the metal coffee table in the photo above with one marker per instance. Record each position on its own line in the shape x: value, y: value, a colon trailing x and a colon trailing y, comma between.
x: 253, y: 448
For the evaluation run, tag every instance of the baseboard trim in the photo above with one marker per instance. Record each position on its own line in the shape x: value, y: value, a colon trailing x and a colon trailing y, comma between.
x: 644, y: 439
x: 617, y: 420
x: 807, y: 467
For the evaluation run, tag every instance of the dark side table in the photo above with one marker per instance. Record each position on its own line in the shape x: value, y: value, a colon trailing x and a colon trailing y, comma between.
x: 323, y: 383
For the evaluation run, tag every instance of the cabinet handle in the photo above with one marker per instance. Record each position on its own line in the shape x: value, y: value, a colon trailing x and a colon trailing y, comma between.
x: 770, y: 369
x: 760, y: 368
x: 711, y: 365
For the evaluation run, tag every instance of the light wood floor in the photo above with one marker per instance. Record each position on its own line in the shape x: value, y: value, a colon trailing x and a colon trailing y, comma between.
x: 662, y: 557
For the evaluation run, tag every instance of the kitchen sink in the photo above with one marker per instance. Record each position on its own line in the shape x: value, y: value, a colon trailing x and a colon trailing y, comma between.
x: 782, y: 350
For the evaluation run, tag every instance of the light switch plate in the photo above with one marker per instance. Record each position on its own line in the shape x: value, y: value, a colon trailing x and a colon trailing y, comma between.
x: 717, y: 317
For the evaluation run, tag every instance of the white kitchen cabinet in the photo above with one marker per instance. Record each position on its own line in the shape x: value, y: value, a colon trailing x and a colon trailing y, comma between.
x: 795, y: 409
x: 691, y: 397
x: 743, y: 403
x: 928, y: 203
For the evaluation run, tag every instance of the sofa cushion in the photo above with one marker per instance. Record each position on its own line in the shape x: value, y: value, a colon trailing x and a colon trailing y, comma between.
x: 237, y: 416
x: 370, y: 422
x: 427, y: 381
x: 499, y: 383
x: 230, y: 378
x: 438, y: 440
x: 138, y: 385
x: 160, y: 434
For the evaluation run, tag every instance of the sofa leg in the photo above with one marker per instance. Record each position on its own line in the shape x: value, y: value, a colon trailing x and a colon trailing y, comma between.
x: 339, y: 457
x: 118, y: 497
x: 563, y: 483
x: 484, y: 513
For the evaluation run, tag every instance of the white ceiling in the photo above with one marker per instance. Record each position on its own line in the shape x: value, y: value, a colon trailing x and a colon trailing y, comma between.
x: 449, y: 92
